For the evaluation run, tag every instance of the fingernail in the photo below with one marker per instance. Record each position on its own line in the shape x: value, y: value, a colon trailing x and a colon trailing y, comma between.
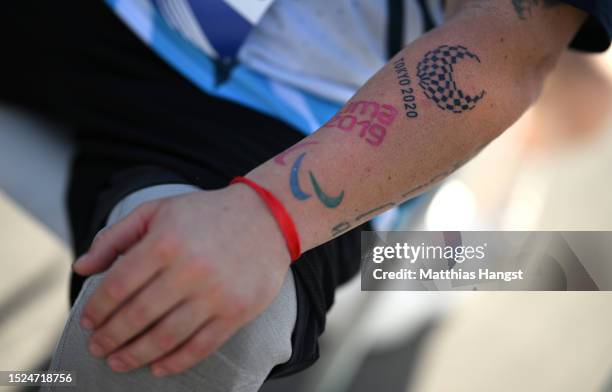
x: 117, y: 364
x: 95, y: 350
x: 80, y: 259
x: 87, y: 323
x: 159, y: 371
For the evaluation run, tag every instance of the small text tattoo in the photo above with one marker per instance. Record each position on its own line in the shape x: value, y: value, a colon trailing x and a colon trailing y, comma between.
x: 403, y: 79
x: 340, y: 228
x: 445, y: 173
x: 344, y: 226
x: 368, y: 119
x: 374, y: 210
x: 436, y: 78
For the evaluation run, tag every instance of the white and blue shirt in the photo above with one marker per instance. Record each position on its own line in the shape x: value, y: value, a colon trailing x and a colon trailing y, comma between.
x: 296, y: 60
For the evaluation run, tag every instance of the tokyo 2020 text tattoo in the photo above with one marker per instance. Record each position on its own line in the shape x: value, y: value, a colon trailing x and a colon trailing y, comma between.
x: 403, y: 79
x: 437, y: 79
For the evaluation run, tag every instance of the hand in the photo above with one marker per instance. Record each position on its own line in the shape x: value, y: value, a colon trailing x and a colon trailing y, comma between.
x: 185, y: 273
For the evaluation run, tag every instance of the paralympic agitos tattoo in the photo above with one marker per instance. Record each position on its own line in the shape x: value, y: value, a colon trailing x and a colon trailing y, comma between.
x: 436, y: 77
x: 294, y: 179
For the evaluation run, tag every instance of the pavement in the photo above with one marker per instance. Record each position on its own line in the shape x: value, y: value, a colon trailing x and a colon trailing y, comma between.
x: 34, y: 254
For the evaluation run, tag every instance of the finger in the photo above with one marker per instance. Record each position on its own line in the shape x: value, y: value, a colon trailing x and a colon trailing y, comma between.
x: 115, y: 239
x: 129, y: 274
x: 154, y: 300
x: 209, y: 338
x: 168, y: 334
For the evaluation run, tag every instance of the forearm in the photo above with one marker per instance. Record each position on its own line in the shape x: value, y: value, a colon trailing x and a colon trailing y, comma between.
x: 429, y: 110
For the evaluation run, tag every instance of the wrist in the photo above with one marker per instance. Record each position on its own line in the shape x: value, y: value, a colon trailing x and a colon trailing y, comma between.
x: 309, y: 219
x: 259, y: 224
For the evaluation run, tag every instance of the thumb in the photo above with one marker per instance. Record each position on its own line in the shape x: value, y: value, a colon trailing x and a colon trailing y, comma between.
x: 114, y: 240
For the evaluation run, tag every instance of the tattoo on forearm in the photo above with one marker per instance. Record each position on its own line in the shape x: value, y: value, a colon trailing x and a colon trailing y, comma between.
x: 294, y: 178
x: 445, y: 173
x: 327, y: 200
x: 523, y: 7
x: 432, y: 180
x: 436, y: 178
x: 407, y: 91
x: 373, y: 210
x: 344, y: 226
x: 369, y: 119
x: 436, y: 77
x: 294, y: 181
x: 340, y: 228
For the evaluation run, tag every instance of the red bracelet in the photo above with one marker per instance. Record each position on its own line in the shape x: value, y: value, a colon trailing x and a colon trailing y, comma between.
x: 282, y: 217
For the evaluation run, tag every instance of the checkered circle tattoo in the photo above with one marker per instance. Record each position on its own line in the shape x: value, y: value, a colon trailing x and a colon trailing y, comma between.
x: 435, y: 73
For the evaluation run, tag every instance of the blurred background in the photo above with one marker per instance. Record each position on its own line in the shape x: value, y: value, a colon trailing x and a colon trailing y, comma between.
x: 550, y: 171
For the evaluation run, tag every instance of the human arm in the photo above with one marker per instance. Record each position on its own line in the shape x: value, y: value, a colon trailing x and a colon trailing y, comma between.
x: 184, y: 252
x: 506, y: 58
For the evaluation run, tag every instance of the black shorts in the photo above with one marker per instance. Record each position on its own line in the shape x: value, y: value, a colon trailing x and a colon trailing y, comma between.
x: 138, y: 123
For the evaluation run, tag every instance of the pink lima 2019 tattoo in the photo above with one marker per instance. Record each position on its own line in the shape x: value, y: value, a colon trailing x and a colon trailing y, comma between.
x: 369, y: 119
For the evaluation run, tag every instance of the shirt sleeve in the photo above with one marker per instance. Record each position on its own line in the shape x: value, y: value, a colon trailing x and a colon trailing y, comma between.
x: 595, y: 33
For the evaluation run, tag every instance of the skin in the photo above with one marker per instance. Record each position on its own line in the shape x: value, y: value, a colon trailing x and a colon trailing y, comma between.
x: 195, y: 268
